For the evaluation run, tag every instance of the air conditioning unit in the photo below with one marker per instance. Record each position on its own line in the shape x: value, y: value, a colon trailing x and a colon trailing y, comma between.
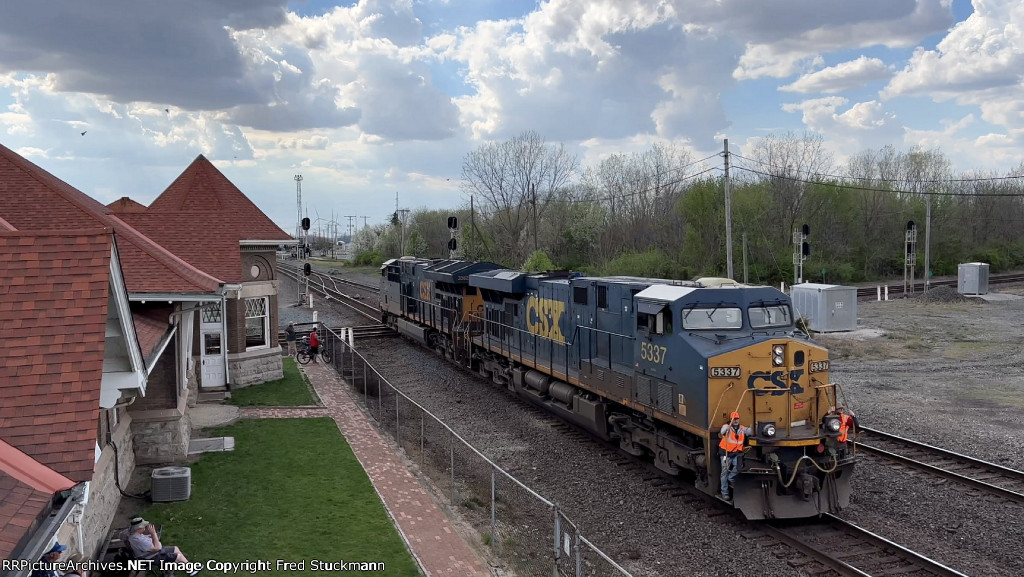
x: 171, y: 484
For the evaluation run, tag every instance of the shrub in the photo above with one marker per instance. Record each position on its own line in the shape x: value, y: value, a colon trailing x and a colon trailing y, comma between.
x: 368, y: 258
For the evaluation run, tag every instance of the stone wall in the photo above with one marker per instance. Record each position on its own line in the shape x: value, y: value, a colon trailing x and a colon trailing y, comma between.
x: 254, y: 367
x: 104, y: 496
x: 162, y: 437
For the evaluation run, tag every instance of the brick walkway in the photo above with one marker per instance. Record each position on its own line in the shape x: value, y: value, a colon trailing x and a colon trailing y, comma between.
x: 438, y: 549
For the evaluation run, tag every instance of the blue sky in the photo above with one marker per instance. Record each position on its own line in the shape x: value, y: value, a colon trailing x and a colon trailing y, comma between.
x: 370, y: 98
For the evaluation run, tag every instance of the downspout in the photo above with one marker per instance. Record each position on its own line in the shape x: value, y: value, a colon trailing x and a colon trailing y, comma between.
x: 224, y: 339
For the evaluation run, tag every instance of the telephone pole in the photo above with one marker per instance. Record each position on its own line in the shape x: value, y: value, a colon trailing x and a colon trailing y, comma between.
x: 301, y: 247
x: 728, y: 216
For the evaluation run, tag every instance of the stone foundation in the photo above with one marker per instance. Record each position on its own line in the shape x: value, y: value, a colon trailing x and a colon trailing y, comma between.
x: 162, y: 436
x: 254, y: 367
x: 104, y: 496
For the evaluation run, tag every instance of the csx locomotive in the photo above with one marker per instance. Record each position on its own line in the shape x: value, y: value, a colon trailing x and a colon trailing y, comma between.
x: 654, y: 365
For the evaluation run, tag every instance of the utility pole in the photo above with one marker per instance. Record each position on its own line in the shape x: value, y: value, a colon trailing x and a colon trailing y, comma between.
x: 533, y: 194
x: 472, y: 229
x: 745, y: 258
x: 728, y: 216
x: 299, y: 236
x: 364, y: 221
x: 927, y: 241
x: 350, y: 219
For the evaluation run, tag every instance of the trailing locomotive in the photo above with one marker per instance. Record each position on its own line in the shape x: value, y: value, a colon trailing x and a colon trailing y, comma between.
x: 655, y: 365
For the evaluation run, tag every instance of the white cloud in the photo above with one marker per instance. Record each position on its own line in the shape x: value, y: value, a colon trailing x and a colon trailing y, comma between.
x: 841, y: 77
x: 860, y: 126
x: 784, y: 36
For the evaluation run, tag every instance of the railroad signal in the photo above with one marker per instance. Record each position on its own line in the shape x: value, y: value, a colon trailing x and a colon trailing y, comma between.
x: 452, y: 244
x: 306, y: 269
x: 453, y: 222
x: 305, y: 223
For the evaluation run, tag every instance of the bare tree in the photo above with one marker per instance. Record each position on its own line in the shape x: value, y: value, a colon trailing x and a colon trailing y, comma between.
x: 500, y: 174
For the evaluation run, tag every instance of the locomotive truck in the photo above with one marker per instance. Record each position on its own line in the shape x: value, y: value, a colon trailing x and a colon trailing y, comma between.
x: 654, y: 365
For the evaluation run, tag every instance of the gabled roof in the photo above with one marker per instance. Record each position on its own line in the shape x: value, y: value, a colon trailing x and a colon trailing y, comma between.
x: 201, y: 217
x: 51, y: 371
x: 33, y: 199
x: 125, y: 204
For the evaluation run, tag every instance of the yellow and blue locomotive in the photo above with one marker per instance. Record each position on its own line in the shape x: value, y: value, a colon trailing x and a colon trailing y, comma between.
x: 654, y: 365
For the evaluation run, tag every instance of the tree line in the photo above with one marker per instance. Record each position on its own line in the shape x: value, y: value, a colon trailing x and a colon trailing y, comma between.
x: 661, y: 213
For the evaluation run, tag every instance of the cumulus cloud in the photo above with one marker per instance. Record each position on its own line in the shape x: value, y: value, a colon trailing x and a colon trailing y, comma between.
x: 861, y: 125
x: 841, y: 77
x: 978, y: 63
x: 785, y: 36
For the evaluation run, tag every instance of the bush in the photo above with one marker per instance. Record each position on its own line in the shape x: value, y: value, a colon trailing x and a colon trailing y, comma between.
x: 538, y: 262
x: 368, y: 258
x: 653, y: 263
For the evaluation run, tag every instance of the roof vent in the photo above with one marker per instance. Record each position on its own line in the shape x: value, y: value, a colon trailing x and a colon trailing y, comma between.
x: 171, y: 484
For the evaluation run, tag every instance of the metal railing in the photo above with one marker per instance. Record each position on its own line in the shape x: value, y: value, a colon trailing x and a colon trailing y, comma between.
x: 525, y: 531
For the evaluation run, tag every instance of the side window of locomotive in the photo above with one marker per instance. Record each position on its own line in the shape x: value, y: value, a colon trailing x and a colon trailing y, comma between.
x: 712, y: 318
x: 762, y: 317
x: 602, y: 297
x: 579, y: 295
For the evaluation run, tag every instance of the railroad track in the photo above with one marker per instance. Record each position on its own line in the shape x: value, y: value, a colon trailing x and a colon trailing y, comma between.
x: 988, y: 477
x: 897, y: 290
x: 331, y: 289
x: 851, y: 550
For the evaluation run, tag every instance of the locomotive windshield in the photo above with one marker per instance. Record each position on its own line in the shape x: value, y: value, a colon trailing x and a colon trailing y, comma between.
x: 765, y: 316
x: 704, y: 318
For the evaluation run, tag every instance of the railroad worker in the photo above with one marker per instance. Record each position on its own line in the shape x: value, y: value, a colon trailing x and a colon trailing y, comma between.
x: 145, y: 543
x: 289, y: 338
x: 847, y: 421
x: 314, y: 345
x: 50, y: 558
x: 733, y: 437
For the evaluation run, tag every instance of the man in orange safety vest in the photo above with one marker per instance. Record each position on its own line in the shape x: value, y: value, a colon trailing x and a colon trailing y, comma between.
x: 733, y: 436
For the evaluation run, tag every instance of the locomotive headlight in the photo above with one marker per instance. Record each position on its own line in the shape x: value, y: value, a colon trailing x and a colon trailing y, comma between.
x: 832, y: 424
x: 778, y: 355
x: 768, y: 430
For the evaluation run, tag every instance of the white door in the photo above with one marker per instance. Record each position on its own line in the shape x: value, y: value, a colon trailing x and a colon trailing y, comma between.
x: 212, y: 360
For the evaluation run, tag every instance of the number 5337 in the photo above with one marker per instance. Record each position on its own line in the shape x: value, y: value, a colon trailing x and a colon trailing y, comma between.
x: 652, y: 353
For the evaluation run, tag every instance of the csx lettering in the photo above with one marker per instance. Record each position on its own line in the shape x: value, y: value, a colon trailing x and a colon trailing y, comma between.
x: 652, y: 353
x: 778, y: 380
x: 543, y: 317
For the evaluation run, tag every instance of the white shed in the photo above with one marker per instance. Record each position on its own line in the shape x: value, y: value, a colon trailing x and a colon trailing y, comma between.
x: 826, y: 308
x: 972, y: 278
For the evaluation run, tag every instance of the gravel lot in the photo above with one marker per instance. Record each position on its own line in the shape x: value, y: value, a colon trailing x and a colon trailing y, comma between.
x: 948, y: 374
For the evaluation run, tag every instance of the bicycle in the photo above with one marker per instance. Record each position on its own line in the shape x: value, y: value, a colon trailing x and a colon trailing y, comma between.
x: 302, y: 353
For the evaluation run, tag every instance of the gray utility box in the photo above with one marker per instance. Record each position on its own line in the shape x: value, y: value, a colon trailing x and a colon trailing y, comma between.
x: 827, y: 308
x: 972, y: 278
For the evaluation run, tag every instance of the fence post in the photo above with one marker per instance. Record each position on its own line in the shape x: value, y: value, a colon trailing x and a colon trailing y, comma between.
x: 558, y: 539
x: 398, y: 422
x: 494, y: 510
x: 452, y: 457
x: 366, y: 386
x: 421, y: 436
x: 579, y: 556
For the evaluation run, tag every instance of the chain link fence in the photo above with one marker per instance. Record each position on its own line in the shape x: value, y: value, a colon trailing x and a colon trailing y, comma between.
x: 527, y: 533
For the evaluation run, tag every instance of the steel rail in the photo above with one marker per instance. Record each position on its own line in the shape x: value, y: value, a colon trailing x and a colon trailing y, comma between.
x: 846, y: 547
x: 991, y: 469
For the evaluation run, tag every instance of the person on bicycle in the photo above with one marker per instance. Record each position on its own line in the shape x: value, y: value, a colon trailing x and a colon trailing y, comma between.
x: 314, y: 345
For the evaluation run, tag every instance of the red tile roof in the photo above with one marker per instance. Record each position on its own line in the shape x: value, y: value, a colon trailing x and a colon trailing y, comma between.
x: 33, y: 199
x: 201, y: 217
x: 53, y: 303
x: 150, y: 326
x: 125, y: 204
x: 20, y: 505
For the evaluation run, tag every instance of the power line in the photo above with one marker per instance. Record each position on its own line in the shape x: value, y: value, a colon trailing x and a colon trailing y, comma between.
x: 872, y: 179
x: 870, y: 189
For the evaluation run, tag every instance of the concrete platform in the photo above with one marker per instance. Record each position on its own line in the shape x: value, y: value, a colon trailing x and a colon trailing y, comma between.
x: 206, y: 415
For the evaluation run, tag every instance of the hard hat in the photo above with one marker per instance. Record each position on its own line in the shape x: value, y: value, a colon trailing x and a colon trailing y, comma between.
x: 734, y: 415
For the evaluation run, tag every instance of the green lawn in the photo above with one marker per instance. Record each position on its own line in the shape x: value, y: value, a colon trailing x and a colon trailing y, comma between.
x: 293, y: 390
x: 292, y: 490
